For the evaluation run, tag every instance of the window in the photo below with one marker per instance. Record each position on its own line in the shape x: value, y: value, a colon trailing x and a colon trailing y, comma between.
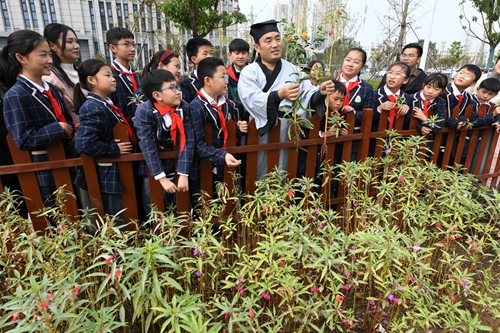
x: 158, y: 20
x: 110, y: 15
x: 45, y: 14
x: 125, y: 12
x: 26, y: 15
x: 52, y: 11
x: 92, y: 15
x: 143, y: 20
x: 33, y: 14
x: 135, y: 14
x: 138, y: 53
x: 103, y: 16
x: 119, y: 14
x: 96, y: 47
x: 5, y: 13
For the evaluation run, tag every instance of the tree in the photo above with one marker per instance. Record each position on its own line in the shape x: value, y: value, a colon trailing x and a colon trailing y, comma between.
x: 432, y: 54
x: 456, y: 53
x: 340, y: 48
x: 489, y: 15
x: 200, y: 16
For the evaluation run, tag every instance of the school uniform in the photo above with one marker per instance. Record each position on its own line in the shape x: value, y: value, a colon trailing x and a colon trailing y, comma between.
x: 382, y: 95
x: 437, y: 105
x: 452, y: 99
x: 32, y: 122
x: 190, y: 87
x: 125, y: 89
x: 415, y: 83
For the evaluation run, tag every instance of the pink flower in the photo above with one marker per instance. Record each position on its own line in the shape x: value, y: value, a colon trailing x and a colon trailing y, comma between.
x: 348, y: 275
x: 250, y: 313
x: 15, y: 316
x: 474, y: 245
x: 387, y: 151
x: 281, y: 291
x: 453, y: 299
x: 355, y: 204
x: 346, y: 286
x: 195, y: 251
x: 43, y: 304
x: 339, y: 298
x: 199, y: 273
x: 77, y: 290
x: 118, y: 272
x: 265, y: 295
x: 401, y: 179
x: 320, y: 226
x: 108, y: 259
x: 50, y: 296
x: 438, y: 225
x: 292, y: 289
x: 314, y: 289
x: 330, y: 32
x: 416, y: 247
x: 264, y: 208
x: 316, y: 211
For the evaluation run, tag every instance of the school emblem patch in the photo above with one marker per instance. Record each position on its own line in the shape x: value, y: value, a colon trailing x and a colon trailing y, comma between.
x: 357, y: 99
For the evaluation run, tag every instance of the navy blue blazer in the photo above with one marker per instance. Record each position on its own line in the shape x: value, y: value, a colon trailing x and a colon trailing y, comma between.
x: 150, y: 130
x: 451, y: 102
x: 190, y: 87
x: 381, y: 97
x: 95, y: 138
x: 124, y: 93
x: 32, y: 123
x: 438, y: 108
x: 359, y: 98
x: 201, y: 113
x: 486, y: 119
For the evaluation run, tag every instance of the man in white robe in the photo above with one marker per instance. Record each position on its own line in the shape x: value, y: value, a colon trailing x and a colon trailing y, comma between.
x: 267, y: 90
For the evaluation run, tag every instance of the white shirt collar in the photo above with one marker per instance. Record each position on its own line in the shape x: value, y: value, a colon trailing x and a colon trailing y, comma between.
x: 221, y: 99
x: 344, y: 80
x: 390, y: 93
x: 456, y: 92
x: 120, y: 67
x: 42, y: 89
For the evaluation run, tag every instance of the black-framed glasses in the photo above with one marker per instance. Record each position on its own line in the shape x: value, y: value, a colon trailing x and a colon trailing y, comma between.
x: 128, y: 45
x: 173, y: 88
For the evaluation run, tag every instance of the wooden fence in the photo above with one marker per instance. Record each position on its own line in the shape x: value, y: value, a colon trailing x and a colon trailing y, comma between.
x: 61, y: 166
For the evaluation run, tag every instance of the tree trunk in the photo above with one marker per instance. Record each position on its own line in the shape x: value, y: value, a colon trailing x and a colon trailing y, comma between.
x: 402, y: 32
x: 490, y: 56
x: 151, y: 31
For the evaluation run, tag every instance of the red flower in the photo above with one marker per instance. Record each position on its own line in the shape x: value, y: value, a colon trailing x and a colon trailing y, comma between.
x: 236, y: 315
x: 290, y: 194
x: 118, y: 272
x: 14, y: 316
x: 77, y: 290
x: 453, y: 299
x: 474, y: 245
x: 346, y: 287
x: 339, y: 298
x: 455, y: 228
x: 438, y: 225
x: 50, y: 296
x: 314, y: 289
x: 43, y: 304
x: 264, y: 208
x: 108, y: 259
x: 250, y: 313
x: 452, y: 238
x: 281, y: 264
x: 226, y: 315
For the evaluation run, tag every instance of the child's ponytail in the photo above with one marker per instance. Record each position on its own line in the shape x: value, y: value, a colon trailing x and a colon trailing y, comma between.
x: 87, y: 68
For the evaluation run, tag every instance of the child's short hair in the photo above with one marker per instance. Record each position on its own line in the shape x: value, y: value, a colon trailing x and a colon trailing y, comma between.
x: 114, y: 35
x: 194, y: 44
x: 405, y: 66
x: 414, y: 46
x: 437, y: 79
x: 153, y: 81
x: 239, y: 45
x: 207, y: 68
x: 490, y: 84
x: 472, y: 68
x: 339, y: 87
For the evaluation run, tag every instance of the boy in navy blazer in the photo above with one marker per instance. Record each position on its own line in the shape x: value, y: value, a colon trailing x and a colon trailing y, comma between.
x: 121, y: 43
x: 197, y: 49
x: 162, y: 122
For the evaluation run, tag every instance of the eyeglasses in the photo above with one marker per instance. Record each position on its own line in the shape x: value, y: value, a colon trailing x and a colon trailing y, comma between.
x: 465, y: 75
x: 225, y: 77
x: 128, y: 45
x: 173, y: 88
x: 395, y: 74
x: 404, y: 55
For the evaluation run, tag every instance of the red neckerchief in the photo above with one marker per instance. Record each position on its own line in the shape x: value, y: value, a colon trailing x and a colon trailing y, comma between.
x: 222, y: 119
x: 393, y: 112
x: 348, y: 89
x: 55, y: 106
x: 135, y: 86
x: 231, y: 73
x: 130, y: 130
x: 486, y: 109
x: 176, y: 123
x: 460, y: 98
x: 426, y: 107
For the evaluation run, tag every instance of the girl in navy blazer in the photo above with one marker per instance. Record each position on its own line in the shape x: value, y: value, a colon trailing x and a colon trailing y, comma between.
x: 98, y: 117
x: 34, y: 112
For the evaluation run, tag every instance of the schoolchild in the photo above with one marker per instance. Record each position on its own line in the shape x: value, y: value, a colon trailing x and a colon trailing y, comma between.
x: 98, y: 117
x: 161, y: 122
x: 197, y: 49
x: 428, y: 102
x: 238, y: 53
x: 211, y: 106
x: 34, y: 112
x: 122, y: 45
x: 165, y: 59
x: 65, y: 48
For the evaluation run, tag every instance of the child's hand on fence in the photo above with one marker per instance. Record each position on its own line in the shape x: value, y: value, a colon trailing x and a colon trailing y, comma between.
x: 231, y: 161
x: 386, y: 106
x: 68, y: 130
x: 243, y: 126
x: 167, y: 185
x: 425, y: 130
x: 336, y: 132
x: 182, y: 183
x: 125, y: 147
x: 459, y: 125
x: 327, y: 88
x: 497, y: 126
x: 347, y: 109
x: 419, y: 114
x: 290, y: 92
x: 403, y: 109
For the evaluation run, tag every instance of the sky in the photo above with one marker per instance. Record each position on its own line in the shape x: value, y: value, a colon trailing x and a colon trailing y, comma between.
x: 445, y: 29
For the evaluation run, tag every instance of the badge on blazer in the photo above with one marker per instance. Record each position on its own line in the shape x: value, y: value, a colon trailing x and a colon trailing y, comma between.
x: 357, y: 99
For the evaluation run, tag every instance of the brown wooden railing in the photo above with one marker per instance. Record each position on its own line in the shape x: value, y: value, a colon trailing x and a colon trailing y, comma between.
x: 60, y: 166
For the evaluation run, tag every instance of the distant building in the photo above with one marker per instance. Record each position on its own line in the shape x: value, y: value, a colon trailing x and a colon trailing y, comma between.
x: 91, y: 19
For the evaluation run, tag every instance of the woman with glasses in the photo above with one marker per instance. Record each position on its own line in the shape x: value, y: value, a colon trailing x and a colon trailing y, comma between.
x: 411, y: 55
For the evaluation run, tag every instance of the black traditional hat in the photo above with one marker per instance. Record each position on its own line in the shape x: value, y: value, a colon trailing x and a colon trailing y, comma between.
x: 258, y: 30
